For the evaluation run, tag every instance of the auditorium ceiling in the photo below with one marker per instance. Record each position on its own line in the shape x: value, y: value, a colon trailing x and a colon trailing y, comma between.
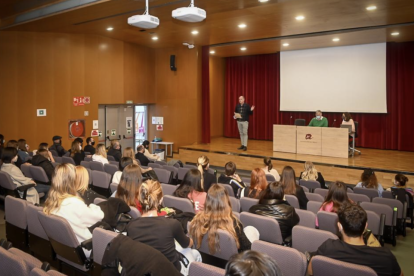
x: 268, y: 25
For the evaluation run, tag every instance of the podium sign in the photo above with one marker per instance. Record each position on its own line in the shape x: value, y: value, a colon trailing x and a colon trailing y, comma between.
x: 284, y: 138
x: 309, y: 140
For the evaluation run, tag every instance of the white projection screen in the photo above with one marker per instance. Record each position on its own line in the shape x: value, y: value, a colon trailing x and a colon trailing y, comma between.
x: 336, y: 79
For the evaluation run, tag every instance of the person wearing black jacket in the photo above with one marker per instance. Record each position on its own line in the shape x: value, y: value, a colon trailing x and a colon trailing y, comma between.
x: 77, y: 153
x: 57, y: 145
x: 230, y: 177
x: 143, y: 160
x: 89, y: 147
x: 288, y: 180
x: 115, y: 150
x: 41, y: 159
x: 271, y: 204
x: 243, y: 121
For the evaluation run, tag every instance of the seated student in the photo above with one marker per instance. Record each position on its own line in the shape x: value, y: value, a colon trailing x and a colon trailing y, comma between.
x: 258, y: 184
x: 290, y: 187
x: 64, y: 201
x: 268, y: 169
x: 14, y: 144
x: 336, y: 198
x: 141, y: 156
x: 42, y: 159
x: 252, y: 263
x: 100, y: 155
x: 319, y: 120
x: 352, y: 222
x: 9, y: 157
x: 191, y: 188
x: 230, y: 177
x: 272, y: 204
x: 163, y: 234
x: 369, y: 180
x: 400, y: 182
x: 311, y: 173
x: 115, y: 150
x: 82, y: 186
x: 129, y: 152
x: 46, y: 147
x: 57, y: 145
x: 77, y: 153
x: 129, y: 184
x: 22, y: 150
x: 125, y: 161
x: 152, y: 157
x: 90, y: 142
x: 218, y: 214
x: 207, y: 179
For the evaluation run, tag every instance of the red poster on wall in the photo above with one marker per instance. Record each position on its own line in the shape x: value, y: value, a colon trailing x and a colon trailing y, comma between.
x: 78, y: 101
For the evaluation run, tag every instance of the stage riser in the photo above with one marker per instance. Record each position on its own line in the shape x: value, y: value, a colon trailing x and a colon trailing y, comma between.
x: 330, y: 173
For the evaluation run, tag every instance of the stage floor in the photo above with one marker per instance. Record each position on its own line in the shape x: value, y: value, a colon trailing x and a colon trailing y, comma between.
x: 388, y: 161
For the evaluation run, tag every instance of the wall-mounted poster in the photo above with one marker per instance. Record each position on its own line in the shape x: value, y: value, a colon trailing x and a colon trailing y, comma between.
x: 76, y: 128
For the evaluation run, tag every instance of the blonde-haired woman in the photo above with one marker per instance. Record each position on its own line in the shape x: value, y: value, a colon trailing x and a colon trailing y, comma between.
x: 64, y: 201
x: 82, y: 186
x: 311, y: 173
x: 207, y: 179
x: 217, y: 214
x: 129, y: 152
x: 161, y: 233
x: 100, y: 154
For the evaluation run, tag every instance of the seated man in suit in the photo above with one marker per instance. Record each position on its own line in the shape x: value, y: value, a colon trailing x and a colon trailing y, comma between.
x: 89, y: 147
x: 319, y: 120
x: 115, y: 150
x: 141, y: 156
x: 352, y: 222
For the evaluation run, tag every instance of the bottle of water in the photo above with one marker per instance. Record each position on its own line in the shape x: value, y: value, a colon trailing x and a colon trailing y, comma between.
x: 155, y: 139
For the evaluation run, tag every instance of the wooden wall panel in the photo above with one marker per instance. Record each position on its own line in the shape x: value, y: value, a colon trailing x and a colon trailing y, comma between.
x: 217, y: 92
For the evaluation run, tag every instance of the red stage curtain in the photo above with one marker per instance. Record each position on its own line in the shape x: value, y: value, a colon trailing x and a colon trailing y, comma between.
x: 257, y: 77
x: 205, y: 95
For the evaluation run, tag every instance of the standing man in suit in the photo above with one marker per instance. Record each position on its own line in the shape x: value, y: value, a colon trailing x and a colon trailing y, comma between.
x: 243, y: 122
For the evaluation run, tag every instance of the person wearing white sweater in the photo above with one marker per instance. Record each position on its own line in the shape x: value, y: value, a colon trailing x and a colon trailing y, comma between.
x: 100, y: 155
x: 64, y: 201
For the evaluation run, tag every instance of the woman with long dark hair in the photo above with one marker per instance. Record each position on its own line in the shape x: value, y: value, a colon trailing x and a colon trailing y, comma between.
x: 192, y: 189
x: 288, y: 180
x: 369, y: 180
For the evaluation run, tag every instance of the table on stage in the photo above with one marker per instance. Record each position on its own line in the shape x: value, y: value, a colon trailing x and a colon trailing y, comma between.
x: 323, y: 141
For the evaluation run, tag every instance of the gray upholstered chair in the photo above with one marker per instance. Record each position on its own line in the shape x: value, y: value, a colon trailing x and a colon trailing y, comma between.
x: 26, y: 170
x: 227, y: 245
x: 101, y: 181
x: 358, y: 197
x: 16, y: 221
x: 322, y: 192
x: 68, y: 159
x: 110, y: 169
x: 164, y: 176
x: 246, y: 203
x: 371, y: 193
x: 328, y: 221
x: 270, y: 178
x: 293, y: 201
x: 314, y: 197
x: 314, y: 206
x: 308, y: 239
x: 200, y: 269
x: 268, y: 228
x: 235, y: 204
x: 155, y: 165
x: 310, y: 184
x: 182, y: 204
x: 100, y: 240
x: 323, y: 266
x: 229, y: 189
x: 12, y: 189
x: 39, y: 243
x: 96, y: 166
x: 85, y: 164
x: 181, y: 173
x: 39, y: 175
x: 168, y: 189
x: 307, y: 218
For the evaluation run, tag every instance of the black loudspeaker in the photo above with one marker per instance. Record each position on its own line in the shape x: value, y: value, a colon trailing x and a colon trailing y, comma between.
x: 172, y: 63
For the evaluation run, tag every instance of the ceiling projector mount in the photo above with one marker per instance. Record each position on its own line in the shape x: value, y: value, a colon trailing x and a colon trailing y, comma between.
x: 186, y: 14
x: 190, y: 46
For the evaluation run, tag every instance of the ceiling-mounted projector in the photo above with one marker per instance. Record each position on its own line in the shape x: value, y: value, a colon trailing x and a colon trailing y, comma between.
x: 189, y: 14
x: 145, y: 21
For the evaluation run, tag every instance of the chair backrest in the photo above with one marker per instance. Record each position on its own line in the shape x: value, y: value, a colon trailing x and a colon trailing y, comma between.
x: 310, y: 184
x: 110, y: 158
x: 246, y: 203
x: 227, y: 243
x: 379, y: 209
x: 307, y: 218
x: 349, y: 190
x: 328, y: 221
x: 113, y: 187
x: 85, y: 164
x: 33, y: 223
x: 172, y: 169
x: 268, y: 228
x: 393, y: 203
x: 246, y: 180
x: 375, y: 223
x: 54, y: 153
x: 213, y: 172
x: 39, y: 272
x: 200, y: 269
x: 293, y: 201
x: 371, y: 193
x: 182, y: 172
x: 270, y: 178
x: 100, y: 240
x: 326, y: 266
x: 154, y: 165
x: 358, y: 197
x: 98, y: 200
x: 229, y: 189
x: 134, y: 213
x: 67, y: 159
x: 110, y: 169
x: 290, y: 261
x: 190, y: 166
x: 322, y: 192
x: 300, y: 122
x: 162, y: 163
x: 6, y: 182
x: 96, y: 166
x: 87, y: 159
x: 12, y: 264
x: 15, y: 211
x: 235, y: 204
x: 113, y: 162
x: 168, y: 189
x: 305, y: 189
x: 58, y: 159
x: 314, y: 206
x: 30, y: 261
x: 26, y: 170
x: 39, y: 174
x: 90, y: 176
x: 164, y: 176
x: 101, y: 179
x: 183, y: 204
x: 387, y: 194
x: 308, y: 239
x: 315, y: 197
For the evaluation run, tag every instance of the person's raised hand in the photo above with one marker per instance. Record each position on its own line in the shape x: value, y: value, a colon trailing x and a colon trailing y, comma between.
x: 252, y: 108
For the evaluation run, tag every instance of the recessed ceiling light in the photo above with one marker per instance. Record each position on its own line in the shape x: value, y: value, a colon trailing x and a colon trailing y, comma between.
x: 212, y: 52
x: 395, y: 33
x: 371, y: 8
x: 194, y: 32
x: 243, y: 48
x: 285, y: 44
x: 300, y: 17
x: 109, y: 28
x: 262, y: 1
x: 155, y: 38
x: 335, y: 39
x: 242, y: 26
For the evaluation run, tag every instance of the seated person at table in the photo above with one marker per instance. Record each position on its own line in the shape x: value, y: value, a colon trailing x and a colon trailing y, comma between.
x: 152, y: 157
x: 347, y: 120
x: 143, y: 159
x: 319, y: 120
x: 230, y: 177
x: 352, y: 222
x: 311, y: 173
x: 369, y: 180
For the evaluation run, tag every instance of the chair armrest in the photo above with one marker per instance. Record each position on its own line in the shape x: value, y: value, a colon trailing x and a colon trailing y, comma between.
x: 25, y: 187
x: 46, y: 266
x: 87, y: 244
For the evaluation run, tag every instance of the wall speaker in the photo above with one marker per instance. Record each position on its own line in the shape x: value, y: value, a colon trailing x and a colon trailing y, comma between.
x: 172, y: 63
